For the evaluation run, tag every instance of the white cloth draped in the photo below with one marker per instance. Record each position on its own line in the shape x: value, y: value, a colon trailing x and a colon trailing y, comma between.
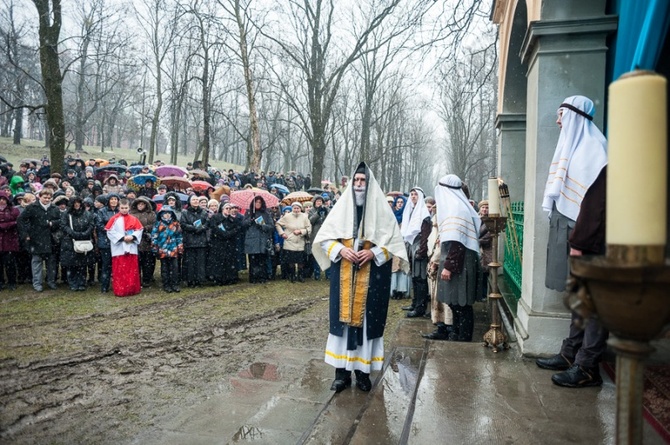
x: 456, y: 218
x: 413, y: 216
x: 580, y: 155
x: 116, y: 234
x: 379, y: 225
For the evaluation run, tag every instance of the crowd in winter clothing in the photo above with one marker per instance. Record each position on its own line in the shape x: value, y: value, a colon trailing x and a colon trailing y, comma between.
x: 198, y: 235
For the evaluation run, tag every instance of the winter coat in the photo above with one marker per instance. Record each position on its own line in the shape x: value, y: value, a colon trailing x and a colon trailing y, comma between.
x: 148, y: 218
x: 39, y: 225
x: 9, y: 235
x: 223, y: 247
x: 109, y: 188
x: 83, y: 223
x: 258, y: 236
x: 101, y: 218
x: 194, y: 236
x: 316, y: 217
x: 166, y: 239
x: 290, y: 222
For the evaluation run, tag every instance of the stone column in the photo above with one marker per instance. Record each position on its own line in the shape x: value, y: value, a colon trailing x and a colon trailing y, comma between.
x: 512, y: 152
x: 565, y: 56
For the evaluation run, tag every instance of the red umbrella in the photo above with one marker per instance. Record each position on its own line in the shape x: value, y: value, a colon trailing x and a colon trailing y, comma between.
x: 201, y: 185
x: 244, y: 197
x: 176, y: 182
x: 170, y: 170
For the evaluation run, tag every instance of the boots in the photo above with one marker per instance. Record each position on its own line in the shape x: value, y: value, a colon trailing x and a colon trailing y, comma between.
x: 441, y: 333
x: 363, y: 381
x: 342, y: 380
x: 464, y: 322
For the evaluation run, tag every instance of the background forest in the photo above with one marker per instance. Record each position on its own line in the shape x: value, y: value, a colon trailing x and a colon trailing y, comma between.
x: 306, y: 85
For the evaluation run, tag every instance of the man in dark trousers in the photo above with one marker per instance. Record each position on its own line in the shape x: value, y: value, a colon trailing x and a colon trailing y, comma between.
x: 582, y: 350
x: 38, y: 222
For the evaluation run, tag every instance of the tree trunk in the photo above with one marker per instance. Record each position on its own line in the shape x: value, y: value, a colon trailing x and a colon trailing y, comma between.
x: 49, y: 32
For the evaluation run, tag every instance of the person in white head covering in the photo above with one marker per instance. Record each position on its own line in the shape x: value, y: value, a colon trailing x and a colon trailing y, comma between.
x: 458, y: 226
x: 581, y: 153
x: 415, y: 230
x: 357, y: 241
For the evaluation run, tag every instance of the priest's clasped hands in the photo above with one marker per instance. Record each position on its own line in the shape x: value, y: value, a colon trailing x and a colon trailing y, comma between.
x: 360, y: 258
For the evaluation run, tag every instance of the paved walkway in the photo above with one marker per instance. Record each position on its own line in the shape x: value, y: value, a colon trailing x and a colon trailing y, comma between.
x: 430, y: 392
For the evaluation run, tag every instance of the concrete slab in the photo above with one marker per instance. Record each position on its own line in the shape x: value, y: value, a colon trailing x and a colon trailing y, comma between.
x: 430, y: 392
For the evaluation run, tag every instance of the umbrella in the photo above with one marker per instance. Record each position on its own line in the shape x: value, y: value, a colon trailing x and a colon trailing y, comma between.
x: 201, y: 185
x: 325, y: 181
x: 102, y: 162
x: 280, y: 187
x: 176, y: 182
x: 315, y: 190
x: 200, y: 173
x: 116, y: 168
x: 170, y: 170
x: 136, y: 169
x: 33, y: 160
x: 394, y: 194
x: 296, y: 196
x: 138, y: 181
x: 244, y: 197
x: 182, y: 197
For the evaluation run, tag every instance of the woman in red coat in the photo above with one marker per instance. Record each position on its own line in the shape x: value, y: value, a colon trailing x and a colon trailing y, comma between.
x: 9, y: 241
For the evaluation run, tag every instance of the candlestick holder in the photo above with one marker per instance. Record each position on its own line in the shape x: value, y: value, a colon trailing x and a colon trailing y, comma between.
x: 630, y: 299
x: 495, y: 337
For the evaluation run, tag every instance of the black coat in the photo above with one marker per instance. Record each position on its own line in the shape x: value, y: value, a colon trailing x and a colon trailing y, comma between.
x: 83, y: 223
x: 223, y: 247
x: 194, y: 236
x: 39, y: 225
x: 102, y: 217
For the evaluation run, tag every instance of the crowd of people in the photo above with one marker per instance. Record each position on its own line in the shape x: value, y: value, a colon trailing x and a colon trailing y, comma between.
x: 198, y: 234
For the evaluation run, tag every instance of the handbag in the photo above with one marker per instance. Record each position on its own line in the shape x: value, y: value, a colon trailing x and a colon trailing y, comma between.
x: 81, y: 246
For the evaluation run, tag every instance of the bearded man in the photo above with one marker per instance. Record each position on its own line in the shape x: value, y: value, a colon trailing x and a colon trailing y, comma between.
x: 357, y: 241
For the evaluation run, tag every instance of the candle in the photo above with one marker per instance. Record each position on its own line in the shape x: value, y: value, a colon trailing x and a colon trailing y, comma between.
x: 637, y: 161
x: 494, y: 197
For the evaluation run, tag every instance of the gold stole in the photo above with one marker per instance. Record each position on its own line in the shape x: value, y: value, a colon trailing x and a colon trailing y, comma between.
x: 354, y: 285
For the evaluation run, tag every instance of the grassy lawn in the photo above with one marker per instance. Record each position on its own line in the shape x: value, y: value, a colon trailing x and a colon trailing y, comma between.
x: 36, y: 149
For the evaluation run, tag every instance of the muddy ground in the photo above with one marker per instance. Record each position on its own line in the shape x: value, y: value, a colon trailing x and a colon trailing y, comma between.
x: 86, y: 367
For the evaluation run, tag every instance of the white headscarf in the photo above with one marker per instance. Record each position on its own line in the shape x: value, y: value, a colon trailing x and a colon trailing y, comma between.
x: 456, y: 218
x: 581, y: 153
x: 379, y: 225
x: 413, y: 216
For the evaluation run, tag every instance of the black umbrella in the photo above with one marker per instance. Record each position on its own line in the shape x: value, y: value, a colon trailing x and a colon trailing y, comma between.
x: 315, y: 190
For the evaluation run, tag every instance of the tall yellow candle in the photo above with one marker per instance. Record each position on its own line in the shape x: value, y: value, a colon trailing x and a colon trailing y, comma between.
x: 494, y: 197
x: 637, y: 160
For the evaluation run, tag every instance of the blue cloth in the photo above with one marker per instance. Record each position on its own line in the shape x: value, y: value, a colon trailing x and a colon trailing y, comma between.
x: 643, y: 25
x: 398, y: 212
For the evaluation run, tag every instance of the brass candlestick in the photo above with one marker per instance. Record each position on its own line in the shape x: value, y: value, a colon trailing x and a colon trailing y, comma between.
x: 495, y: 337
x: 630, y: 298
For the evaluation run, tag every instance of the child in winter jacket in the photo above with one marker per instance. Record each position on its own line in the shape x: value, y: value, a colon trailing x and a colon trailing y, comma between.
x: 167, y: 244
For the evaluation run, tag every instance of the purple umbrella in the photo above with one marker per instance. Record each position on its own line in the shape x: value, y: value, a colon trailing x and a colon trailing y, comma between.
x: 170, y: 170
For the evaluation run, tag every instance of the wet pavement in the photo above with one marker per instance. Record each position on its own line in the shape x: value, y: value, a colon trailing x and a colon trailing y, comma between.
x: 429, y: 392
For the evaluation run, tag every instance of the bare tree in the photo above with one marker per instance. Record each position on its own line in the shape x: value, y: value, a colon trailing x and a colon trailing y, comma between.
x: 50, y: 21
x: 204, y: 30
x: 159, y: 21
x: 18, y: 78
x: 468, y: 111
x: 239, y: 12
x: 313, y: 54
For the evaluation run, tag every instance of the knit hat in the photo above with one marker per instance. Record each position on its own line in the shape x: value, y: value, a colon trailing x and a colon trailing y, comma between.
x: 296, y: 203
